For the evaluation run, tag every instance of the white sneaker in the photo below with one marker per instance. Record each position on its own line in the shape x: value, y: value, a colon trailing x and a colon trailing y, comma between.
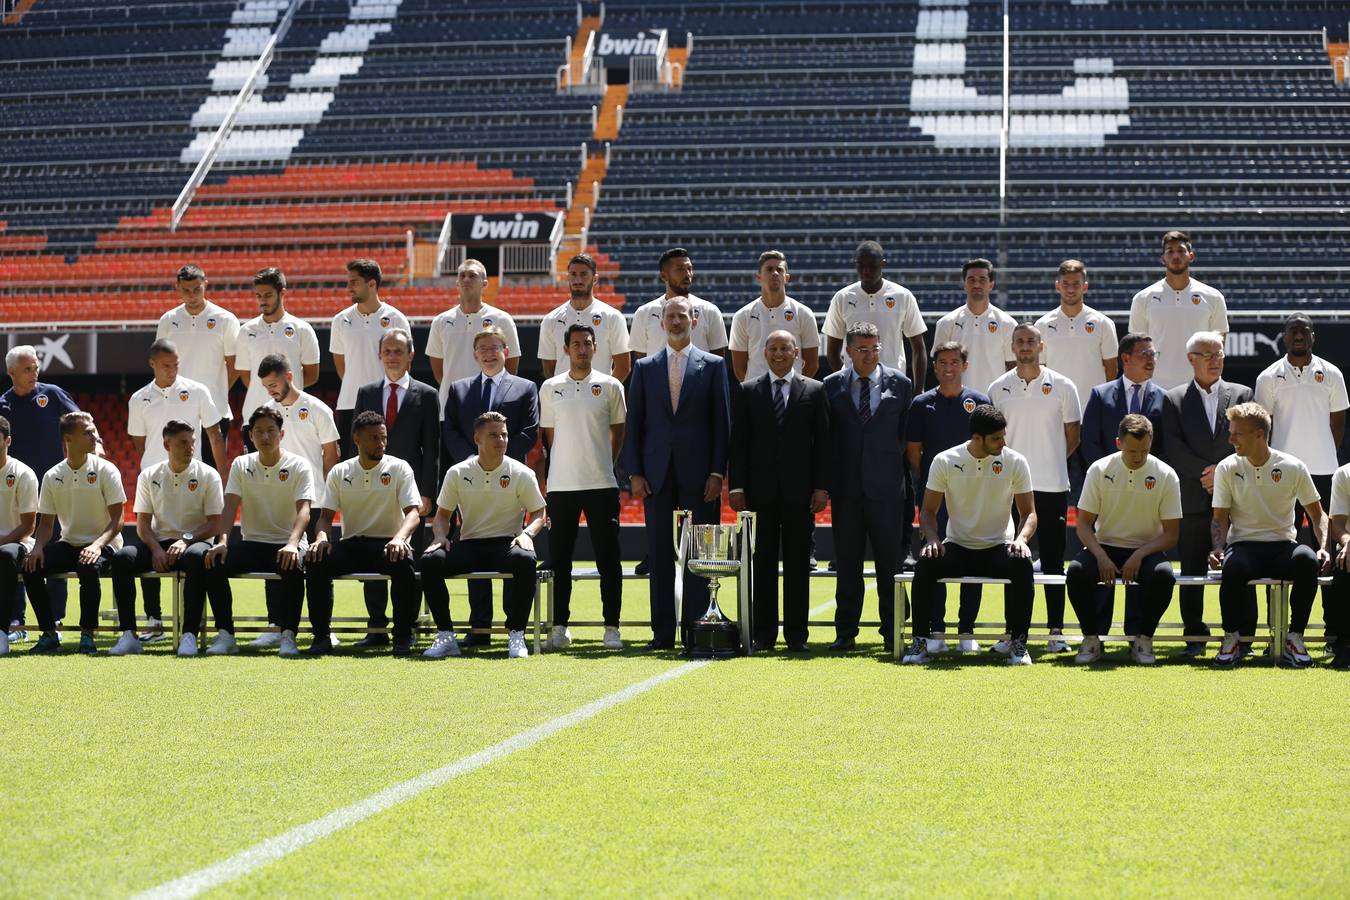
x: 1017, y: 654
x: 4, y: 642
x: 127, y: 643
x: 612, y: 639
x: 334, y: 639
x: 1295, y: 653
x: 286, y: 644
x: 444, y: 645
x: 223, y: 645
x: 1142, y: 651
x: 1229, y: 650
x: 1056, y: 644
x: 1002, y: 647
x: 266, y: 639
x: 1089, y: 651
x: 515, y: 642
x: 968, y: 646
x: 560, y: 638
x: 153, y: 633
x: 187, y: 646
x: 936, y: 646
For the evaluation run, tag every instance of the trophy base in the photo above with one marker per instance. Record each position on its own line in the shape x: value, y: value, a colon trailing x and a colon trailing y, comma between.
x: 714, y: 640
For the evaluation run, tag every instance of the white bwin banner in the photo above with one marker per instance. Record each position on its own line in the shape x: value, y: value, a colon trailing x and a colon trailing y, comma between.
x: 270, y: 129
x: 945, y: 108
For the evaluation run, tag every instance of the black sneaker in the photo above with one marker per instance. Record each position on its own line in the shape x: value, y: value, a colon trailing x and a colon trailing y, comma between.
x: 321, y: 646
x: 1341, y: 656
x: 372, y: 640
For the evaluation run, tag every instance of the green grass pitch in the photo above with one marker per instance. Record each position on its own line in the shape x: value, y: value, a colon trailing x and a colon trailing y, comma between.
x: 772, y: 775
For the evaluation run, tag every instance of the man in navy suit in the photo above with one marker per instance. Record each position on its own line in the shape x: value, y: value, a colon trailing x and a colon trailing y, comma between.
x: 1133, y: 392
x: 675, y: 454
x: 868, y: 407
x: 498, y: 390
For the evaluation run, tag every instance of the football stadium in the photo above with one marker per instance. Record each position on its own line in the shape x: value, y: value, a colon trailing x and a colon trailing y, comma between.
x: 811, y: 448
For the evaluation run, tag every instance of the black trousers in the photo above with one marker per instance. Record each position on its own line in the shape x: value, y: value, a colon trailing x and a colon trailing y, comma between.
x: 783, y: 525
x: 255, y: 556
x: 55, y: 590
x: 659, y: 510
x: 376, y: 593
x: 601, y: 507
x: 969, y: 609
x: 198, y: 582
x: 1052, y: 508
x: 1285, y: 560
x: 150, y: 596
x: 856, y: 521
x: 992, y: 562
x: 361, y: 554
x: 480, y: 555
x: 1145, y: 601
x: 1335, y: 605
x: 11, y: 567
x: 1195, y: 540
x: 58, y: 556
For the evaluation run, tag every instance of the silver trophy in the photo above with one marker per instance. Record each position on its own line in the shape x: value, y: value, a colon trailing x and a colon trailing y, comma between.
x: 715, y: 552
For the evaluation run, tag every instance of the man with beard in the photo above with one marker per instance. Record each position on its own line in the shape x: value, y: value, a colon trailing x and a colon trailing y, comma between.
x: 355, y: 338
x: 611, y: 331
x: 273, y: 331
x: 1175, y: 307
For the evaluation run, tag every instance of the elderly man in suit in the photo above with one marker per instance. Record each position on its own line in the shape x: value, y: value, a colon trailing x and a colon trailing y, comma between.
x: 412, y: 416
x: 1133, y: 392
x: 1195, y: 422
x: 869, y: 404
x: 492, y: 389
x: 675, y: 454
x: 780, y: 431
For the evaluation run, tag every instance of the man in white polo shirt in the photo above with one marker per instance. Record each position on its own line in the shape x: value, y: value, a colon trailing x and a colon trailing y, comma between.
x: 1080, y: 342
x: 1336, y: 599
x: 354, y: 340
x: 1254, y: 494
x: 18, y: 515
x: 980, y: 481
x: 84, y: 493
x: 648, y: 336
x: 887, y: 305
x: 1041, y: 407
x: 582, y: 413
x: 178, y: 506
x: 378, y: 498
x: 1175, y: 307
x: 273, y: 331
x: 772, y: 311
x: 450, y: 340
x: 611, y: 331
x: 979, y: 326
x: 275, y: 488
x: 1129, y: 516
x: 493, y: 494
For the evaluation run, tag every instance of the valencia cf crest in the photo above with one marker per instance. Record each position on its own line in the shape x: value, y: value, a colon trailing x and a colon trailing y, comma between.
x: 1319, y: 376
x: 595, y: 390
x: 596, y: 319
x: 384, y: 321
x: 193, y: 484
x: 9, y: 480
x: 91, y: 476
x: 284, y: 475
x: 183, y: 396
x: 42, y: 401
x: 289, y: 331
x: 1150, y: 482
x: 1276, y: 474
x: 1090, y: 327
x: 993, y: 327
x: 969, y: 405
x: 890, y: 303
x: 788, y: 315
x: 1195, y: 299
x: 385, y: 478
x: 997, y: 467
x: 211, y: 324
x: 303, y: 414
x: 1046, y: 388
x: 487, y: 322
x: 504, y: 481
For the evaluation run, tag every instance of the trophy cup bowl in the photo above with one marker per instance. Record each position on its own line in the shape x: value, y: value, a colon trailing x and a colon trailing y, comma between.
x: 714, y: 554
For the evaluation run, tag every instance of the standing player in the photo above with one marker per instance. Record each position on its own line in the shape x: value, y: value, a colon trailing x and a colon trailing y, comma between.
x: 18, y: 514
x: 611, y: 331
x: 355, y: 338
x: 773, y: 311
x: 273, y: 331
x: 1080, y: 342
x: 887, y: 305
x: 708, y: 332
x: 1175, y: 307
x: 1336, y: 599
x: 450, y: 341
x: 979, y: 326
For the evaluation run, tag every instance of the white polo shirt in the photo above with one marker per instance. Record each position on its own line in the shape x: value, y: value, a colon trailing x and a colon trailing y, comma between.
x: 611, y: 333
x: 356, y: 336
x: 1170, y: 317
x: 1300, y: 403
x: 268, y: 495
x: 371, y: 500
x: 203, y: 342
x: 151, y: 407
x: 308, y: 425
x: 580, y: 414
x: 491, y: 504
x: 1037, y: 412
x: 979, y: 494
x: 79, y: 498
x: 18, y: 495
x: 987, y: 338
x: 179, y: 502
x: 708, y: 333
x: 1340, y: 492
x: 451, y: 340
x: 1130, y: 504
x: 753, y: 323
x: 291, y: 337
x: 1075, y: 346
x: 892, y: 309
x: 1260, y: 501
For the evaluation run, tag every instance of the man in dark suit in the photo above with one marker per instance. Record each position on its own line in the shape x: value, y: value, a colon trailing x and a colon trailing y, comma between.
x: 1133, y: 392
x: 412, y: 416
x: 675, y: 454
x: 780, y: 431
x: 495, y: 389
x: 869, y: 404
x: 1195, y: 419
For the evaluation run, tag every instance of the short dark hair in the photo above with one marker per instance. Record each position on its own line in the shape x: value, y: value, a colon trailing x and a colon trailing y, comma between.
x: 771, y: 254
x: 175, y: 426
x: 401, y: 333
x: 368, y: 418
x: 1073, y: 265
x: 672, y: 253
x: 986, y: 420
x: 1130, y: 341
x: 72, y: 421
x: 869, y: 248
x: 368, y: 269
x: 978, y: 262
x: 265, y: 412
x: 584, y: 259
x: 486, y: 418
x: 573, y: 329
x: 952, y: 347
x: 273, y: 364
x: 1181, y: 236
x: 190, y: 273
x: 1299, y: 318
x: 163, y: 345
x: 861, y: 330
x: 4, y: 427
x: 1135, y: 426
x: 271, y: 276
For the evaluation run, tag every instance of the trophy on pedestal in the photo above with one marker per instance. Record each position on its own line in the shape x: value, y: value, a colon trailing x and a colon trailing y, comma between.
x: 715, y: 552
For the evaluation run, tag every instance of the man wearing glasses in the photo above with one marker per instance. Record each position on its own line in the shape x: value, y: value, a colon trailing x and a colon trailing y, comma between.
x: 1133, y: 392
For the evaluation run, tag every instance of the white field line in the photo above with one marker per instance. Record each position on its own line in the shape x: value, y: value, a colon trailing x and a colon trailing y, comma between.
x: 288, y: 842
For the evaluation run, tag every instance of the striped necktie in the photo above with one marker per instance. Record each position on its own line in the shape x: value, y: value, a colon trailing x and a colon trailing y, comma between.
x: 780, y: 400
x: 865, y: 399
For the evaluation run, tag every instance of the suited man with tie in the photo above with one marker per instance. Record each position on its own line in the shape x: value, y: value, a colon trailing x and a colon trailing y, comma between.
x: 1195, y: 419
x: 780, y: 432
x: 493, y: 389
x: 869, y: 404
x: 1133, y: 392
x: 675, y: 454
x: 412, y: 417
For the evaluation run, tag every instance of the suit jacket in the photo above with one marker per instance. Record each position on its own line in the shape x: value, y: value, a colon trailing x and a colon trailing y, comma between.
x: 690, y: 442
x: 1106, y: 406
x: 414, y: 438
x: 1190, y: 445
x: 775, y: 463
x: 869, y: 461
x: 517, y: 399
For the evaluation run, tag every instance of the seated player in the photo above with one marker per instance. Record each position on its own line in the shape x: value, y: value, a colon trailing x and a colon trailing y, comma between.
x: 18, y: 513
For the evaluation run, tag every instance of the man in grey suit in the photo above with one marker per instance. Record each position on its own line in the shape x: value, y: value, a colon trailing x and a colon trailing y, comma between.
x: 868, y: 407
x: 1196, y: 424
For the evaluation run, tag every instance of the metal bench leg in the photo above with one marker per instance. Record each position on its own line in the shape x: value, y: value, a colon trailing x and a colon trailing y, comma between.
x: 1278, y: 618
x: 177, y: 609
x: 898, y: 635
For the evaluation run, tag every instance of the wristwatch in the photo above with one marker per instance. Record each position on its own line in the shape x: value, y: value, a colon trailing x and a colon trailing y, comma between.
x: 187, y: 537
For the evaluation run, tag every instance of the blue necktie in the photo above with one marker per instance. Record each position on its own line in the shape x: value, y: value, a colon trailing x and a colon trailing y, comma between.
x: 487, y: 395
x: 1134, y: 398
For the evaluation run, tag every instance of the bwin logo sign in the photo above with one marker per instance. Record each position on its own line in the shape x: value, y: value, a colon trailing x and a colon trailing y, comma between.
x: 492, y: 229
x: 641, y: 45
